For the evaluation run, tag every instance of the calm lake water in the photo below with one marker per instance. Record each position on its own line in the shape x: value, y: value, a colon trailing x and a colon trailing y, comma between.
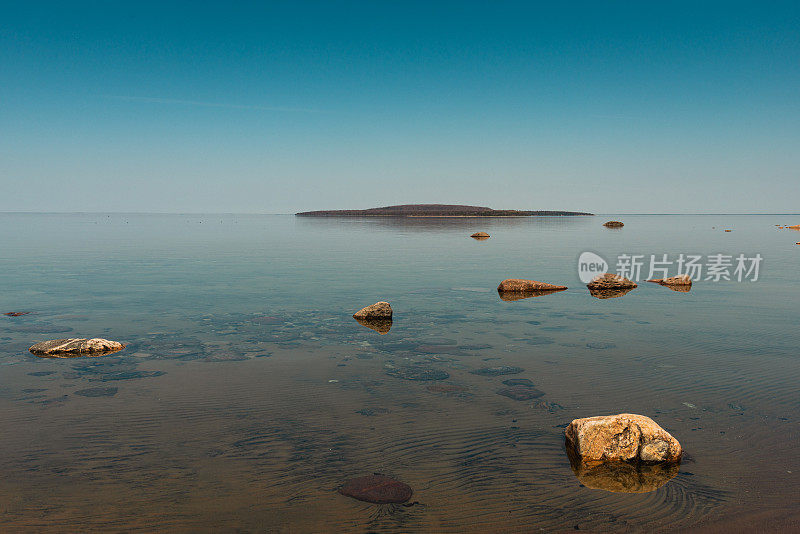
x: 247, y: 394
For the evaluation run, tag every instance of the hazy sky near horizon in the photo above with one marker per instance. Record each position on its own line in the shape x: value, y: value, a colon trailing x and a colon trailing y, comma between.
x: 277, y: 107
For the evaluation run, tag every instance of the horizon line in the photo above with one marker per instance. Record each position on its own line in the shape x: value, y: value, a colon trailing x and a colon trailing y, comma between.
x: 24, y: 212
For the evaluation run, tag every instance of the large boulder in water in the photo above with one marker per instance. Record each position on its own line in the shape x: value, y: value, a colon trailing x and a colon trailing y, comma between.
x: 379, y: 310
x: 76, y: 347
x: 378, y: 489
x: 611, y: 281
x: 624, y: 437
x: 614, y: 224
x: 480, y: 236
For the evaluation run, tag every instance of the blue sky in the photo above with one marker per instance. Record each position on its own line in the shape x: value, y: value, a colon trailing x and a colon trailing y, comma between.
x: 276, y: 107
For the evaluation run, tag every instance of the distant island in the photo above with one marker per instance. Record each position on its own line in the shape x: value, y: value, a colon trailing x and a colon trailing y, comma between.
x: 437, y: 210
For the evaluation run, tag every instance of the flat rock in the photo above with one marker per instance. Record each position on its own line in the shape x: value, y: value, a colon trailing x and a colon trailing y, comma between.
x: 480, y: 235
x: 497, y: 371
x: 417, y: 372
x: 16, y: 314
x: 611, y: 281
x: 624, y: 437
x: 613, y: 224
x: 520, y: 285
x: 377, y: 489
x: 679, y: 280
x: 76, y: 346
x: 521, y: 393
x: 379, y: 310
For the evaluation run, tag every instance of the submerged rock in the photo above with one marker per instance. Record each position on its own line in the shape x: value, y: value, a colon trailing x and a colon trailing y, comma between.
x: 518, y: 382
x: 521, y: 393
x: 624, y: 437
x: 97, y: 392
x: 613, y: 224
x: 679, y: 280
x: 16, y: 314
x: 497, y: 371
x: 417, y: 372
x: 381, y: 326
x: 379, y: 310
x: 76, y: 347
x: 446, y: 388
x: 377, y: 489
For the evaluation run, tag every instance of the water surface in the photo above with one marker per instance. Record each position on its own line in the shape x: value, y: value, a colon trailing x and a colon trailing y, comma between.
x: 247, y: 394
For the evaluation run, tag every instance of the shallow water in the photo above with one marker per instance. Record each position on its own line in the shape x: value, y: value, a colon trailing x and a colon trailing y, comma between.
x: 247, y: 394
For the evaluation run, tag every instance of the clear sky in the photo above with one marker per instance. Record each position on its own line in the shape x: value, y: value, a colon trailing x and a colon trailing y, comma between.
x: 277, y: 107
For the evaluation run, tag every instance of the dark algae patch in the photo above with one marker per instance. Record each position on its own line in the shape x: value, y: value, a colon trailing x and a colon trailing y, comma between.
x: 417, y: 372
x: 497, y: 371
x: 377, y: 489
x: 521, y: 393
x: 97, y: 392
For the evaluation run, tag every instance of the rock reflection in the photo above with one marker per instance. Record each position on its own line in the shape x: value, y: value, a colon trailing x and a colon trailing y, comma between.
x: 76, y: 355
x: 381, y: 326
x: 610, y: 293
x: 679, y: 289
x: 621, y: 477
x: 510, y: 296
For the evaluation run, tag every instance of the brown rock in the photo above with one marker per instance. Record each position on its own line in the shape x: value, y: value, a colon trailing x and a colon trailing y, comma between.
x: 76, y: 346
x: 624, y: 438
x: 680, y: 280
x: 613, y: 224
x: 611, y: 281
x: 480, y: 235
x: 379, y: 310
x: 16, y: 314
x: 381, y: 326
x: 519, y: 285
x: 378, y: 489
